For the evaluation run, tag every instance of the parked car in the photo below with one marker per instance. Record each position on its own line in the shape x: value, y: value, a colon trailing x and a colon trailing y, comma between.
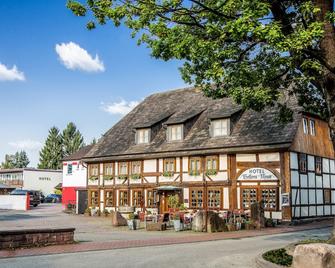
x: 33, y: 196
x: 53, y: 198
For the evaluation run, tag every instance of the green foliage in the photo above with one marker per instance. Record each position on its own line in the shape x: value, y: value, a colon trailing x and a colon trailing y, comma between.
x: 122, y: 177
x: 168, y: 173
x: 194, y: 173
x: 173, y: 201
x: 17, y: 160
x: 278, y: 256
x: 248, y: 50
x: 108, y: 178
x: 52, y: 152
x: 212, y: 172
x: 135, y: 176
x: 72, y: 139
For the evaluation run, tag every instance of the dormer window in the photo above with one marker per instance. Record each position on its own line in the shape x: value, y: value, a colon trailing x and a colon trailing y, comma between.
x: 175, y: 133
x: 220, y: 127
x: 142, y: 136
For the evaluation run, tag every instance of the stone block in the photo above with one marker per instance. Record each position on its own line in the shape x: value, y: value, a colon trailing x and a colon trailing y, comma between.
x: 118, y: 219
x: 156, y: 226
x: 314, y: 256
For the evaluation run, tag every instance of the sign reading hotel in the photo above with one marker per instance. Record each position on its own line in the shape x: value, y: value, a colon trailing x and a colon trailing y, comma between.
x: 257, y: 174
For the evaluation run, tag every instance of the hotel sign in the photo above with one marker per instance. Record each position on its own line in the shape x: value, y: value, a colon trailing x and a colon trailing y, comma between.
x: 256, y: 174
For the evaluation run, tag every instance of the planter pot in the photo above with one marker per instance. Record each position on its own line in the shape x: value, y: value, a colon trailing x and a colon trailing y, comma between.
x: 177, y: 225
x: 137, y: 224
x: 131, y: 224
x: 231, y: 227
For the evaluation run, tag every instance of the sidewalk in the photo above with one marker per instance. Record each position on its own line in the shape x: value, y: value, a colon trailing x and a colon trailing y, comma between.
x: 94, y: 246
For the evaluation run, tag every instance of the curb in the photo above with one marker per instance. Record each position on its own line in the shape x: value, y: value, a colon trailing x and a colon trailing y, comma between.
x: 262, y: 263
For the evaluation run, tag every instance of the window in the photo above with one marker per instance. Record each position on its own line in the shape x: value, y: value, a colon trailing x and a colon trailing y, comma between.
x: 318, y: 165
x: 269, y: 197
x: 195, y: 166
x: 94, y: 170
x: 150, y: 198
x: 303, y: 163
x: 143, y: 136
x: 196, y: 198
x: 69, y: 169
x: 94, y: 198
x: 123, y: 198
x: 137, y: 198
x: 212, y: 163
x: 327, y: 196
x: 305, y: 125
x: 312, y: 127
x: 123, y: 168
x: 108, y: 169
x: 214, y: 198
x: 169, y: 165
x: 136, y: 167
x: 249, y: 196
x: 220, y: 127
x: 109, y: 198
x: 175, y: 133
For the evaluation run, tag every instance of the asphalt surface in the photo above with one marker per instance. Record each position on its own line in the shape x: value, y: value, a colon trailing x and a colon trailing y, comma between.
x: 225, y: 253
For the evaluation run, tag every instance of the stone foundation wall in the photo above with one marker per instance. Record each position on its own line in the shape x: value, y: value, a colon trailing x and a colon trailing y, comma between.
x: 35, y: 238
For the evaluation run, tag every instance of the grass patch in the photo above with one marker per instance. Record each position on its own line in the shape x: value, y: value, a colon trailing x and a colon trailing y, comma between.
x: 311, y: 241
x: 278, y: 256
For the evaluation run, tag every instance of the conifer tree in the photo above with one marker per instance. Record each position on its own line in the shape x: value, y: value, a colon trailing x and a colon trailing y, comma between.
x: 52, y: 152
x: 72, y: 139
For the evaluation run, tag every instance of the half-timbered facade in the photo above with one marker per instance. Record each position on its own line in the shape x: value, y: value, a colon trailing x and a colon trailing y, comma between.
x: 215, y: 156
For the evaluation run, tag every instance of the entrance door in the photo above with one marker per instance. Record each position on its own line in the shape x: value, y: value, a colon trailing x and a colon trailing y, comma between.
x: 82, y: 201
x: 164, y: 200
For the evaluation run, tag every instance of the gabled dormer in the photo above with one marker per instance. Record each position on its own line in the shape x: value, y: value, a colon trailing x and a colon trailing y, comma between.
x: 142, y: 135
x: 219, y: 127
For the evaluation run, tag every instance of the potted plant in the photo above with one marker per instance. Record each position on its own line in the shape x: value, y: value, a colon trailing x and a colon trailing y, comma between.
x: 168, y: 174
x: 176, y: 222
x: 131, y: 221
x: 87, y: 212
x: 135, y: 176
x: 194, y: 173
x: 105, y: 213
x: 122, y: 177
x: 211, y: 172
x: 108, y: 178
x: 93, y: 179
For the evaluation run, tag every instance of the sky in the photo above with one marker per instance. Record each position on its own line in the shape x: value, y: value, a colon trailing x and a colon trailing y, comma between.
x: 54, y: 71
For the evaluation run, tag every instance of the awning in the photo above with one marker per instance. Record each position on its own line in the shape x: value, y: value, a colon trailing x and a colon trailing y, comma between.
x: 168, y: 188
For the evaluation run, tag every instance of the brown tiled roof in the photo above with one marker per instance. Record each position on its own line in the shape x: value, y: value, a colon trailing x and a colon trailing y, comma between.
x: 79, y: 154
x: 250, y: 129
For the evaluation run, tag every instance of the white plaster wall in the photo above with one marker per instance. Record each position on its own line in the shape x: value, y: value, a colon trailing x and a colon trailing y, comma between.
x: 312, y: 196
x: 178, y: 164
x: 312, y: 211
x: 269, y: 157
x: 319, y: 210
x: 303, y: 180
x: 311, y: 162
x: 332, y: 166
x: 318, y: 180
x: 327, y: 210
x: 295, y: 197
x: 238, y: 198
x: 102, y: 200
x: 294, y: 160
x: 325, y: 165
x: 151, y: 179
x: 149, y: 165
x: 332, y: 181
x: 160, y: 165
x: 78, y: 176
x: 15, y: 202
x: 32, y: 181
x: 246, y: 157
x: 168, y: 179
x: 223, y: 162
x: 187, y: 177
x: 304, y: 211
x: 186, y: 194
x: 304, y: 196
x: 226, y: 198
x: 294, y: 178
x: 311, y: 179
x: 185, y: 164
x: 319, y: 196
x: 221, y: 176
x: 116, y: 166
x: 326, y: 181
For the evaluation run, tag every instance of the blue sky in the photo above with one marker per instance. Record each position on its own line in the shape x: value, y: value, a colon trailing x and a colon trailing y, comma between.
x: 92, y: 78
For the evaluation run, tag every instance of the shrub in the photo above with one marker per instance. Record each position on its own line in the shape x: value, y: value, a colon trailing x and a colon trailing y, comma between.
x: 278, y: 256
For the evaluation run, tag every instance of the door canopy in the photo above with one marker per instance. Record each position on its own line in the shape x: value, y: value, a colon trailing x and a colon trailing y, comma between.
x: 257, y: 174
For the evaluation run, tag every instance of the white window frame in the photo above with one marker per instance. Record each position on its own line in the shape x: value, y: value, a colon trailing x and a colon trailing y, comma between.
x: 170, y: 130
x: 312, y: 127
x: 141, y: 137
x: 305, y: 125
x: 221, y: 120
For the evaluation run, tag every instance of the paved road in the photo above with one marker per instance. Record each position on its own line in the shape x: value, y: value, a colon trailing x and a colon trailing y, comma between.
x: 225, y: 253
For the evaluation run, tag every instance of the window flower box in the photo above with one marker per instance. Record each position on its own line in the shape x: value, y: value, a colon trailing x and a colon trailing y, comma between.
x: 122, y: 177
x: 194, y: 173
x: 93, y: 179
x: 136, y: 176
x: 108, y: 178
x: 168, y: 174
x: 211, y: 172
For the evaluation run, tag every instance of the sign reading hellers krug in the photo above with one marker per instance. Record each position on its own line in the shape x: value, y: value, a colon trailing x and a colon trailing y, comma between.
x: 257, y: 174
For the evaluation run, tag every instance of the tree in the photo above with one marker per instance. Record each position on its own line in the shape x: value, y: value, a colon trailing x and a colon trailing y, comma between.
x: 72, y: 139
x: 17, y: 160
x: 249, y: 50
x: 52, y: 152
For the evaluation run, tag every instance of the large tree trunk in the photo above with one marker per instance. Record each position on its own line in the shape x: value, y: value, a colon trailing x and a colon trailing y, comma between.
x: 327, y: 47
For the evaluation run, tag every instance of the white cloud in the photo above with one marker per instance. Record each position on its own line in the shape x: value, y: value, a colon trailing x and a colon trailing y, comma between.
x: 26, y: 145
x: 76, y: 58
x: 7, y: 74
x: 122, y: 107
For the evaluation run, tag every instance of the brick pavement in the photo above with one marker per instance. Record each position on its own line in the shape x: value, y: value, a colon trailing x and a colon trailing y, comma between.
x: 183, y: 238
